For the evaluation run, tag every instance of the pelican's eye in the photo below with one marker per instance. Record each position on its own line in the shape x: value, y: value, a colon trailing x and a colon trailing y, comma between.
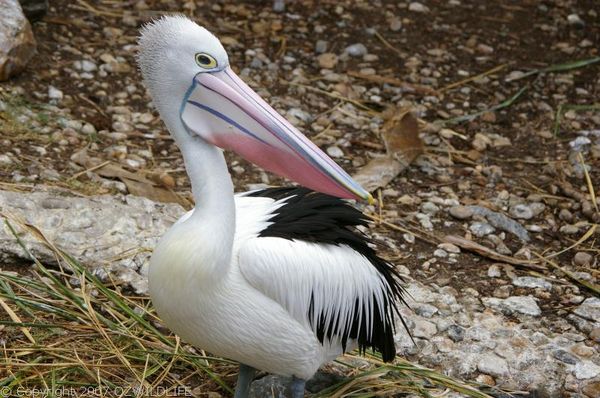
x: 206, y: 61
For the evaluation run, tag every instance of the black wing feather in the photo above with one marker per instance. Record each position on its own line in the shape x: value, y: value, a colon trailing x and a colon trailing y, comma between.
x: 316, y: 217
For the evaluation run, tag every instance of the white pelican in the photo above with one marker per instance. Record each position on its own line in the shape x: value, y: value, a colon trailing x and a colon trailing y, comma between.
x: 278, y: 279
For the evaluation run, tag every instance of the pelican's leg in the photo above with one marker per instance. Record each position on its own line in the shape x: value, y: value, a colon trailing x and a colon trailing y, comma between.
x: 245, y: 377
x: 297, y: 387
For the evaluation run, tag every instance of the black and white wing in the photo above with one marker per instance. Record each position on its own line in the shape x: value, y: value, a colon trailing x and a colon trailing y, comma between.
x: 313, y: 261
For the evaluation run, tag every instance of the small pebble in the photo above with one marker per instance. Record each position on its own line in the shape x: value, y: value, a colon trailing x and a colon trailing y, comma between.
x: 461, y: 212
x: 418, y: 7
x: 335, y: 152
x: 456, y: 333
x: 321, y: 46
x: 521, y: 211
x: 481, y: 229
x: 575, y: 20
x: 494, y: 271
x: 54, y: 93
x: 356, y: 50
x: 583, y: 259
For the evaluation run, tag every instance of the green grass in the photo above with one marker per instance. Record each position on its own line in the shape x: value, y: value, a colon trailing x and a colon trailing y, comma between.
x: 69, y: 331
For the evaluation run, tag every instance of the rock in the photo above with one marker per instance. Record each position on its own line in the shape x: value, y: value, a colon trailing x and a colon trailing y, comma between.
x: 456, y: 333
x: 521, y: 211
x: 481, y: 229
x: 595, y: 335
x: 537, y: 208
x: 270, y: 386
x: 322, y: 380
x: 5, y: 160
x: 449, y: 247
x: 500, y: 221
x: 17, y: 44
x: 54, y: 93
x: 356, y: 50
x: 494, y: 271
x: 321, y: 46
x: 335, y: 152
x: 586, y: 370
x: 575, y: 20
x: 521, y: 304
x: 589, y: 309
x: 418, y: 7
x: 279, y: 5
x: 565, y: 215
x: 327, y: 60
x: 532, y: 282
x: 395, y: 24
x: 569, y: 229
x: 425, y: 310
x: 565, y: 356
x: 88, y: 129
x: 583, y: 259
x: 481, y: 142
x: 461, y: 212
x: 299, y: 114
x: 424, y: 329
x: 429, y: 208
x: 492, y: 365
x: 86, y: 65
x: 592, y: 389
x: 440, y: 253
x: 112, y: 223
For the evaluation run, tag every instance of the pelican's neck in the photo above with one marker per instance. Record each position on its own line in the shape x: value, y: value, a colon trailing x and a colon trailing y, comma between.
x: 211, y: 227
x: 211, y: 183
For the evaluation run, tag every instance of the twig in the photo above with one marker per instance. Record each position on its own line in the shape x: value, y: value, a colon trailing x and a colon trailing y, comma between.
x: 94, y: 105
x: 563, y: 108
x: 387, y: 43
x: 489, y: 253
x: 504, y: 104
x: 585, y: 237
x: 418, y: 88
x: 589, y: 285
x: 332, y: 95
x: 469, y: 79
x: 429, y: 239
x: 558, y: 68
x: 96, y: 167
x: 86, y: 7
x: 16, y: 319
x: 588, y: 180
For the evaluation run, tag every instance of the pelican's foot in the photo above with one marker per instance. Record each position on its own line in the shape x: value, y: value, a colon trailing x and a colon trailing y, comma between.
x: 297, y: 388
x: 245, y: 377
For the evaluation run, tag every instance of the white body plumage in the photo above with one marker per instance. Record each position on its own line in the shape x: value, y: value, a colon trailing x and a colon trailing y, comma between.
x: 255, y: 309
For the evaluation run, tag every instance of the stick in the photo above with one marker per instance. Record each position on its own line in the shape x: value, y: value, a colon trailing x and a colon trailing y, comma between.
x: 489, y: 253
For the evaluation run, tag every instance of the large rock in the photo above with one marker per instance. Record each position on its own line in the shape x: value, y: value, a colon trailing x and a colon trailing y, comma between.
x: 106, y: 233
x: 17, y: 44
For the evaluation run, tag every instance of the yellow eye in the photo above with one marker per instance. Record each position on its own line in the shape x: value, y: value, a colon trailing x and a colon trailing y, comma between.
x: 206, y: 61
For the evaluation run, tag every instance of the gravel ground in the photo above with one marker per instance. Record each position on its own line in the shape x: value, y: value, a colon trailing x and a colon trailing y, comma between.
x: 514, y: 179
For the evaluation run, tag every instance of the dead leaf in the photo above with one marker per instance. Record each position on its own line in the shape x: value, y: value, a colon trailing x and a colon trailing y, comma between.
x: 137, y: 183
x: 403, y: 144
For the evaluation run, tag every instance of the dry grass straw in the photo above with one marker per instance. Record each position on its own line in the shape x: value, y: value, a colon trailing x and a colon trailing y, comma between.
x: 87, y: 335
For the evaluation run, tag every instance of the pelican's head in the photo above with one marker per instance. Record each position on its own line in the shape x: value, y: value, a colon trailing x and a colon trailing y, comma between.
x: 187, y: 71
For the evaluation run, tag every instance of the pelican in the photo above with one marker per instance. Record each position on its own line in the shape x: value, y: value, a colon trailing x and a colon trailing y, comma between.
x: 278, y: 279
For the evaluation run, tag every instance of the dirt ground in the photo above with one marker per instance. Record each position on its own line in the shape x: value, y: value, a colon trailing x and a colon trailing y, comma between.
x: 449, y: 61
